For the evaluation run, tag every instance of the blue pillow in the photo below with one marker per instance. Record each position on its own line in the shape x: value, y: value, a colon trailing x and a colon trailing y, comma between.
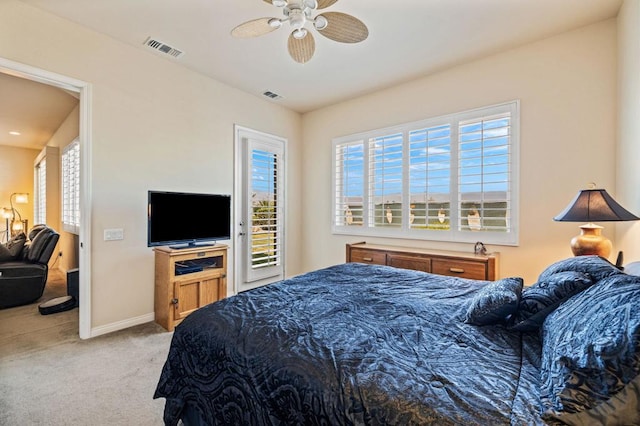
x: 494, y: 302
x: 595, y: 266
x: 590, y: 364
x: 545, y: 296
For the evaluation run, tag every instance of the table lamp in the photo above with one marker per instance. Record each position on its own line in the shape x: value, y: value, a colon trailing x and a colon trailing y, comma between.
x: 593, y: 205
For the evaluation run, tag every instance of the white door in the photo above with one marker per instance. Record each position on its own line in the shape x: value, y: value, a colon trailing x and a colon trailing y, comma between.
x: 260, y: 209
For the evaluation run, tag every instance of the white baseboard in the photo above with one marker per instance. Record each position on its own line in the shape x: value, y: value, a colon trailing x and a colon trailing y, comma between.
x: 121, y: 325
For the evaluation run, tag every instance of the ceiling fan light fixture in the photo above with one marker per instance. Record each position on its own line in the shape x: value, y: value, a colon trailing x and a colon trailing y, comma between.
x: 311, y: 4
x: 297, y: 18
x: 279, y: 3
x: 299, y: 34
x: 320, y: 22
x: 275, y: 23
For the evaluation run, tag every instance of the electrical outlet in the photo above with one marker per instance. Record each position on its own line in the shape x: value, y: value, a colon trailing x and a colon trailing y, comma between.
x: 114, y: 234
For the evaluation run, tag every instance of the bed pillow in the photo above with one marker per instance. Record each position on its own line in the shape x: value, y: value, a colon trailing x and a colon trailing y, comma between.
x: 494, y: 302
x: 12, y: 248
x: 595, y: 266
x: 632, y: 268
x: 543, y: 297
x: 591, y: 356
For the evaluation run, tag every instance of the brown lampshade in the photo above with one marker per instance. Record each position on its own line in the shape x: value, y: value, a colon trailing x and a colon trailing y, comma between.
x: 593, y: 205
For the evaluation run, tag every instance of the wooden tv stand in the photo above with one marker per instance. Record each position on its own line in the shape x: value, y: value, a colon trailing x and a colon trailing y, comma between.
x: 187, y: 279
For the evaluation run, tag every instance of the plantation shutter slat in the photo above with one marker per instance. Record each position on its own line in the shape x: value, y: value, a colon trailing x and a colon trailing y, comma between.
x: 265, y: 221
x: 429, y: 177
x: 386, y: 181
x: 71, y: 187
x: 484, y: 149
x: 349, y: 181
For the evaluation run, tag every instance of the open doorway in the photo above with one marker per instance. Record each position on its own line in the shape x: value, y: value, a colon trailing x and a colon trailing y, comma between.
x: 83, y: 92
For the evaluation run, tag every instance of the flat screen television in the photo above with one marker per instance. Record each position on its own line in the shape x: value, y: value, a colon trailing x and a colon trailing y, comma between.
x: 181, y: 219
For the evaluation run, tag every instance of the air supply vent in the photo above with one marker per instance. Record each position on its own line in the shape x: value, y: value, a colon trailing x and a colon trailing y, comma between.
x: 269, y: 94
x: 162, y: 47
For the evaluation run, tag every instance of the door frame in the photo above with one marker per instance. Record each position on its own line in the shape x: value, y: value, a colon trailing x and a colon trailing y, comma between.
x: 238, y: 194
x: 84, y: 89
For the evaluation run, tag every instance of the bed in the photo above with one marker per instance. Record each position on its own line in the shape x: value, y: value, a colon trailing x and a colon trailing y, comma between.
x: 364, y: 344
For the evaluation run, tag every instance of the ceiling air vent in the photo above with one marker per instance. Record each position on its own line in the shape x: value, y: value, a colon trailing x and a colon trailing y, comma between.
x: 269, y: 94
x: 162, y: 47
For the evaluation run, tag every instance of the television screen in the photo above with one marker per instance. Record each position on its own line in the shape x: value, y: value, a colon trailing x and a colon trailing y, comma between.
x: 176, y: 218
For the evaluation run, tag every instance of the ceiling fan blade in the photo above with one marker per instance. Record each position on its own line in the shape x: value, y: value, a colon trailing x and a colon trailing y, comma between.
x: 323, y: 4
x: 344, y: 28
x: 301, y: 50
x: 254, y: 28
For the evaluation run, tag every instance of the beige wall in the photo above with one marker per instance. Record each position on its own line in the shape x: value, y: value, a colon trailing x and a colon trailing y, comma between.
x: 567, y: 88
x: 69, y: 243
x: 628, y: 156
x: 16, y: 175
x: 155, y: 125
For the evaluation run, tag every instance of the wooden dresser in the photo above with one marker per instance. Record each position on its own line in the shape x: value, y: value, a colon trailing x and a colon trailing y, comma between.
x: 452, y: 263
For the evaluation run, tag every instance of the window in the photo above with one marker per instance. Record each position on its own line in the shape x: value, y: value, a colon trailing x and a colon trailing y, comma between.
x: 450, y: 178
x: 71, y: 187
x: 40, y: 201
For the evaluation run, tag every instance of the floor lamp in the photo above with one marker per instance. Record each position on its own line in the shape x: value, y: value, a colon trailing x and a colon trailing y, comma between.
x: 6, y: 214
x: 19, y: 225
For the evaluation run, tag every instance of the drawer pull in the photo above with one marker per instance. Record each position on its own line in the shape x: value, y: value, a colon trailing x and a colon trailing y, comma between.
x: 367, y: 259
x: 457, y: 270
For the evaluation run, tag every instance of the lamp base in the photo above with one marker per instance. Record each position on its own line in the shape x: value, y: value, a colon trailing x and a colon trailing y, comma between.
x: 591, y: 242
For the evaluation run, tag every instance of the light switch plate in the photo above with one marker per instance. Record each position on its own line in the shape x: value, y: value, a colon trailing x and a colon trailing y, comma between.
x: 114, y: 234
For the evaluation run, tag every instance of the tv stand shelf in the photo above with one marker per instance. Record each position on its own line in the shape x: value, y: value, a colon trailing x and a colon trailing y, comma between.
x: 187, y: 279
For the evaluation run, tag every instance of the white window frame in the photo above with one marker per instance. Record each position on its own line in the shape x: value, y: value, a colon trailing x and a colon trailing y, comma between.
x: 455, y: 233
x: 71, y: 187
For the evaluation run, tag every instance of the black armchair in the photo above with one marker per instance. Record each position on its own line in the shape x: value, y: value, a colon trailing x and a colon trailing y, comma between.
x: 22, y: 280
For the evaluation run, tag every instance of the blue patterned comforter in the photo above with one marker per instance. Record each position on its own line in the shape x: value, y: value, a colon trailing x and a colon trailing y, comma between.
x: 351, y: 344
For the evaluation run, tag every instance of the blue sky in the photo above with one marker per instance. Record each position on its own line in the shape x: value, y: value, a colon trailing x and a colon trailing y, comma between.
x: 483, y: 155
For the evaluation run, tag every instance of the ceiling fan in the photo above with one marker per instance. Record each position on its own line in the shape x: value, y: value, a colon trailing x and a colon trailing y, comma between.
x: 333, y: 25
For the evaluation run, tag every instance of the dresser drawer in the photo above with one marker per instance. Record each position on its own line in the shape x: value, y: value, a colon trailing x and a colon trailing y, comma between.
x: 459, y: 268
x: 409, y: 262
x: 368, y: 256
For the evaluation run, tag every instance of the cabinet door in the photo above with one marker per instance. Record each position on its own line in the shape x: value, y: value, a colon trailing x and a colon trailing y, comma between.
x: 210, y: 291
x: 191, y: 295
x: 409, y: 262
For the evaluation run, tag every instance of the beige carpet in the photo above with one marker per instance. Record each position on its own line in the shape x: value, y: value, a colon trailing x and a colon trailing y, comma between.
x: 48, y: 376
x: 23, y: 329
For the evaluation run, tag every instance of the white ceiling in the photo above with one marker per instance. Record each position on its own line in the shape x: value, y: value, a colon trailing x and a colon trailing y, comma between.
x: 407, y: 39
x: 33, y: 109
